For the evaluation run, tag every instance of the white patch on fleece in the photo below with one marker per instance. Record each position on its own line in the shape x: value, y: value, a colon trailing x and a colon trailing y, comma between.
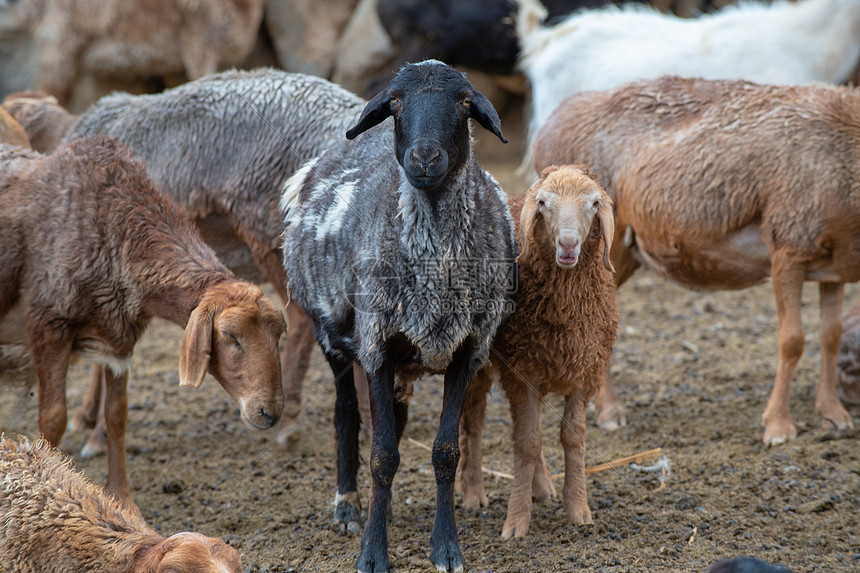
x: 334, y: 217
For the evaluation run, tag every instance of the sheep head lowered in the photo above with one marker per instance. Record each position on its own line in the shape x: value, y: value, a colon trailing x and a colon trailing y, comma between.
x: 566, y: 199
x: 233, y: 334
x: 424, y: 158
x: 190, y: 552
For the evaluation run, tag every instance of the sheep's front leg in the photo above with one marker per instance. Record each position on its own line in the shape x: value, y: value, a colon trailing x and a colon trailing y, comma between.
x: 787, y: 288
x: 295, y: 358
x: 384, y: 461
x: 470, y: 480
x: 446, y: 554
x: 827, y: 402
x: 116, y: 416
x: 573, y: 442
x: 525, y: 421
x: 347, y: 506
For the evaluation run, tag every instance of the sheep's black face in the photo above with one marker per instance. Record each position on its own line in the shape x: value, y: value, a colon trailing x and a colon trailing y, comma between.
x: 431, y: 104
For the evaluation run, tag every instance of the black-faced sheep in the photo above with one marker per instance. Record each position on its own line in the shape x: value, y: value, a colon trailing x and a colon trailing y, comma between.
x: 137, y: 39
x: 400, y: 248
x: 52, y: 520
x: 722, y: 184
x: 558, y: 340
x: 784, y: 42
x: 250, y: 132
x: 90, y: 251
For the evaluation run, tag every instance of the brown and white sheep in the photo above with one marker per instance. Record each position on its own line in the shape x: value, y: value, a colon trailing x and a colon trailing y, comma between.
x: 722, y: 184
x: 848, y: 357
x: 137, y: 39
x: 558, y: 340
x: 230, y: 179
x: 90, y: 251
x: 52, y: 520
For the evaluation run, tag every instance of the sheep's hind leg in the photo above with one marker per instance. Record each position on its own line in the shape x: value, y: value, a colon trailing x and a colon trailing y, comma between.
x: 347, y: 511
x: 470, y: 480
x: 610, y: 411
x: 116, y: 417
x: 86, y: 415
x: 827, y: 402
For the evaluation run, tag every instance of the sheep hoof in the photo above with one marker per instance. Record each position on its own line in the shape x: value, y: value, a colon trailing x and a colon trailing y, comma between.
x: 348, y: 519
x: 80, y: 421
x: 612, y: 419
x: 776, y: 434
x: 515, y: 528
x: 446, y: 556
x: 95, y: 446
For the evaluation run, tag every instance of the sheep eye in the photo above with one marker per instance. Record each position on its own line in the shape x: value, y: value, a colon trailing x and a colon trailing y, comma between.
x: 467, y: 102
x: 541, y: 202
x: 394, y: 101
x: 235, y: 342
x: 596, y: 204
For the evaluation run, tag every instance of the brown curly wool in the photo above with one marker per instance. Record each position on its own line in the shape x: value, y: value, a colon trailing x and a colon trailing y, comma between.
x: 558, y: 339
x: 53, y: 520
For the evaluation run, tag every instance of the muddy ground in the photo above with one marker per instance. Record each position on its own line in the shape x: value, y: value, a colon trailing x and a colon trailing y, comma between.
x: 694, y: 370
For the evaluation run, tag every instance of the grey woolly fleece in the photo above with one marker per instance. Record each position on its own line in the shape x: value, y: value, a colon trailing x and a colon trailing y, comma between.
x: 229, y: 138
x: 370, y: 257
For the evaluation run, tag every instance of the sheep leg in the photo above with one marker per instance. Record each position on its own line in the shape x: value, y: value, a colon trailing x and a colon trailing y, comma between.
x: 116, y: 416
x: 445, y: 553
x: 827, y: 402
x: 526, y: 432
x: 97, y: 442
x: 787, y: 287
x: 347, y: 511
x: 86, y: 415
x: 295, y: 358
x: 51, y: 358
x: 384, y: 461
x: 470, y: 481
x: 58, y: 49
x: 573, y: 442
x: 542, y: 486
x: 610, y: 411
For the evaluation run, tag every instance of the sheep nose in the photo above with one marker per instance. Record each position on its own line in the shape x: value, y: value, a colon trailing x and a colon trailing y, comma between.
x: 425, y: 158
x: 568, y: 247
x: 271, y: 419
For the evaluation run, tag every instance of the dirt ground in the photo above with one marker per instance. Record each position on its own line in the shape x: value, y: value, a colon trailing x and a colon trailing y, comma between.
x: 694, y: 370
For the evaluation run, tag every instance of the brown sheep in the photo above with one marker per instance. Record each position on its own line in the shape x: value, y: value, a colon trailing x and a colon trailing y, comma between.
x: 137, y: 39
x: 558, y: 340
x: 722, y: 184
x: 848, y: 358
x: 52, y: 520
x: 11, y: 131
x: 230, y: 180
x: 90, y: 251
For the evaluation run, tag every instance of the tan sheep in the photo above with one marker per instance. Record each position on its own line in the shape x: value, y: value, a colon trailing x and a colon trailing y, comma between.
x: 90, y: 252
x: 52, y: 520
x: 722, y: 184
x: 558, y: 340
x: 137, y: 39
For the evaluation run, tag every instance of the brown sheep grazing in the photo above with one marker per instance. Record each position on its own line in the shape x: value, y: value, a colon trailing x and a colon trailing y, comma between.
x: 116, y: 38
x: 722, y: 184
x: 848, y: 358
x: 90, y: 251
x: 52, y: 520
x: 11, y: 131
x: 558, y: 340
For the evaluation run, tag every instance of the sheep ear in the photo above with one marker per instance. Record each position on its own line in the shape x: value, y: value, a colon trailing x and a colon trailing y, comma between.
x: 607, y: 227
x: 482, y: 111
x: 375, y: 112
x: 527, y: 221
x: 196, y: 348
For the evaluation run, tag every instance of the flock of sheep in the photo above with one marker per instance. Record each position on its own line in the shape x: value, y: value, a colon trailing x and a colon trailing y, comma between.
x: 395, y: 251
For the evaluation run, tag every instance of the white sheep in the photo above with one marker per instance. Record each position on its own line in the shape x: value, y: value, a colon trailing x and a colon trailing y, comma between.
x: 780, y: 43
